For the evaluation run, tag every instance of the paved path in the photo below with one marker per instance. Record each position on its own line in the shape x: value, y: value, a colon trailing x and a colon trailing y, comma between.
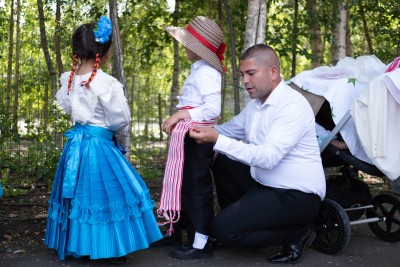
x: 364, y: 249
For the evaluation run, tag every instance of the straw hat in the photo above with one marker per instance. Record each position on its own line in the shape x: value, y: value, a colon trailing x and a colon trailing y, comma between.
x: 203, y: 37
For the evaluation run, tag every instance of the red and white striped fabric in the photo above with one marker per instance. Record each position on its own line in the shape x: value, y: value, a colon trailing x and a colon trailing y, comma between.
x: 395, y: 64
x: 170, y: 203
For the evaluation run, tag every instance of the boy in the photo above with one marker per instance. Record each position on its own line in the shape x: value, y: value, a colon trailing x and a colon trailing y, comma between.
x: 187, y: 178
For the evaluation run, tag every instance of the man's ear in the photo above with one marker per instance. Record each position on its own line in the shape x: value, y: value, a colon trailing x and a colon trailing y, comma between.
x: 274, y: 72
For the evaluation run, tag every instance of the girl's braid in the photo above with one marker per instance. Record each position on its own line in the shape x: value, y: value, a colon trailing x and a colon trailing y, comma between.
x: 95, y: 68
x: 71, y: 76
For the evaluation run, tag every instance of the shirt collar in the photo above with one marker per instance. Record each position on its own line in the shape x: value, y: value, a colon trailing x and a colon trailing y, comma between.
x: 198, y: 63
x: 275, y: 97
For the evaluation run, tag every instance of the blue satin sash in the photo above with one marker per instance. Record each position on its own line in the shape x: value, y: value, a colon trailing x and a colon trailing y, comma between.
x: 73, y: 156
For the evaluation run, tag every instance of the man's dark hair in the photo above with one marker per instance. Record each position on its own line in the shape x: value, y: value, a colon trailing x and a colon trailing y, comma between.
x: 255, y: 50
x: 264, y: 53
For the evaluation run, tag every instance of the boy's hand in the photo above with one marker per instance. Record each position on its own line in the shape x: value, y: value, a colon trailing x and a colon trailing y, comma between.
x: 171, y: 121
x: 204, y: 135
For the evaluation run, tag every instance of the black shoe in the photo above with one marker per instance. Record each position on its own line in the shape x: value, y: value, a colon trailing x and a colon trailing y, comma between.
x: 293, y: 252
x: 191, y: 253
x: 118, y: 260
x: 173, y: 240
x: 82, y: 259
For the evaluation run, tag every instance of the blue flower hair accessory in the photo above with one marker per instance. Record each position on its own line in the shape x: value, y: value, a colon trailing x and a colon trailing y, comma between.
x: 104, y: 29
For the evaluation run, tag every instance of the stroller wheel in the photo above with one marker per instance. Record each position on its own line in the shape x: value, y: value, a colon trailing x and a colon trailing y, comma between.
x: 332, y: 226
x: 386, y: 207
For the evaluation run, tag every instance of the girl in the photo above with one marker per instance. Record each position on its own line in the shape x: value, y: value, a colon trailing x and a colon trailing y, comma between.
x: 99, y: 207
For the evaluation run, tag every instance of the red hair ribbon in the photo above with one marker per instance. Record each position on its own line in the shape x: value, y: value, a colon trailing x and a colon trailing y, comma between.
x: 218, y: 51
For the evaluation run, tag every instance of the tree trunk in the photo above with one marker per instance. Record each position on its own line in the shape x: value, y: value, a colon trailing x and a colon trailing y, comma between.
x: 10, y: 57
x: 16, y: 78
x: 349, y: 45
x: 294, y: 37
x: 315, y: 35
x: 175, y: 75
x: 118, y: 56
x: 262, y: 22
x: 221, y: 22
x: 255, y: 24
x: 255, y: 28
x: 45, y: 47
x: 57, y: 39
x: 46, y: 105
x: 366, y: 30
x: 145, y: 115
x: 233, y: 58
x: 118, y: 66
x: 160, y: 117
x: 340, y: 33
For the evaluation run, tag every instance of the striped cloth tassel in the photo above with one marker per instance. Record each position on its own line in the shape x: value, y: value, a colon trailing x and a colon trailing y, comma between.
x: 170, y: 202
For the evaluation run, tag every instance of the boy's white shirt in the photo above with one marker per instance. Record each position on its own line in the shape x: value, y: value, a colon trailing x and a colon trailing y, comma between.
x: 202, y: 91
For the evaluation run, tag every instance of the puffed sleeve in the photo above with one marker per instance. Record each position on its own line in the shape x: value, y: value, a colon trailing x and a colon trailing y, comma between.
x: 116, y: 108
x: 62, y: 97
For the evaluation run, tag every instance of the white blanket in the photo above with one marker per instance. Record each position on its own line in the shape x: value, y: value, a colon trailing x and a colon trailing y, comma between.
x: 376, y: 114
x: 340, y: 86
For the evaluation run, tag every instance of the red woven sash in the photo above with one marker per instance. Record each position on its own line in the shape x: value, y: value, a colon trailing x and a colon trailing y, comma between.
x: 170, y: 202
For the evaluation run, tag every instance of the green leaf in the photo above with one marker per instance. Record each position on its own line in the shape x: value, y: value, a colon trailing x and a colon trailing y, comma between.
x: 352, y: 80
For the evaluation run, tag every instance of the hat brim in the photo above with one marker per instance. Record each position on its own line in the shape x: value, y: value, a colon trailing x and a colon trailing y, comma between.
x: 190, y: 42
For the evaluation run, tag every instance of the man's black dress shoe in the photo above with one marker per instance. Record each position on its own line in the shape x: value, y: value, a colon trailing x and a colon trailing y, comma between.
x: 293, y: 252
x: 173, y: 240
x: 191, y: 253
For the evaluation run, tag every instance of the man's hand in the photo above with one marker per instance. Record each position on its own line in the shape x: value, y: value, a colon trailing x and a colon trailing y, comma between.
x: 204, y: 135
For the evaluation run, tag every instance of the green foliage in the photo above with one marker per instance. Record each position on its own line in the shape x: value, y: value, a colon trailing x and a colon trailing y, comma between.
x: 141, y: 26
x: 148, y: 154
x: 383, y: 21
x: 13, y: 192
x: 5, y: 126
x: 149, y: 161
x: 352, y: 81
x: 31, y: 154
x: 34, y: 165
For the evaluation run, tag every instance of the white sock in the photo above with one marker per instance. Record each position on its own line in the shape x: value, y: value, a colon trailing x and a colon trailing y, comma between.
x: 200, y: 240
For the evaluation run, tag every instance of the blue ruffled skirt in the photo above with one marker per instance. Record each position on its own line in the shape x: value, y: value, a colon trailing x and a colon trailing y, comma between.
x: 99, y: 205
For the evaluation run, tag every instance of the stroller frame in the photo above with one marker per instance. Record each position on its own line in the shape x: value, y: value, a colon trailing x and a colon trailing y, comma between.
x: 332, y: 224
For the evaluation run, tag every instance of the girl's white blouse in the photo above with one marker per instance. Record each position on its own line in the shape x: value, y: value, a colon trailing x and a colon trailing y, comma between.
x: 103, y: 104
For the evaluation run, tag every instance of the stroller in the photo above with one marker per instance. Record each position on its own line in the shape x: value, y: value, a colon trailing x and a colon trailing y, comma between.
x: 348, y: 200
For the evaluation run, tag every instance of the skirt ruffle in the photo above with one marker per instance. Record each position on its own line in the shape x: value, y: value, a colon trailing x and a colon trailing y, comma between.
x: 111, y: 213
